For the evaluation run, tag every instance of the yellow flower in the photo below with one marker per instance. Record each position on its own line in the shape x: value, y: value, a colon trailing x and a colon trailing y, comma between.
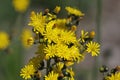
x: 62, y: 51
x: 50, y: 17
x: 71, y: 72
x: 57, y: 35
x: 67, y: 36
x: 74, y: 54
x: 83, y: 36
x: 57, y: 9
x: 61, y: 23
x: 74, y: 11
x: 50, y: 51
x: 37, y: 21
x: 50, y: 25
x: 93, y: 48
x: 27, y: 72
x: 58, y: 67
x: 27, y: 38
x: 21, y: 5
x: 115, y: 76
x: 52, y: 76
x: 51, y: 35
x: 69, y: 63
x: 4, y: 40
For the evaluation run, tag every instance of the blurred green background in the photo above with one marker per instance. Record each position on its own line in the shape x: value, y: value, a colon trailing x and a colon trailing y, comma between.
x: 13, y: 58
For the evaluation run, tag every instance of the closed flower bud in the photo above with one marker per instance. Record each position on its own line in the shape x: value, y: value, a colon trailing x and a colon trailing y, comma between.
x: 30, y: 41
x: 92, y: 34
x: 47, y: 11
x: 73, y: 28
x: 103, y: 69
x: 117, y: 68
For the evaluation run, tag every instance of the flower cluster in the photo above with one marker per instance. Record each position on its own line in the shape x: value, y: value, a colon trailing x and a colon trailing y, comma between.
x: 58, y: 47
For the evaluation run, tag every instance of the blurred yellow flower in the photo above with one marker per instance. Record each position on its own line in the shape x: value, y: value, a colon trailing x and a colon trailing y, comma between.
x: 52, y: 76
x: 4, y: 40
x: 74, y: 11
x: 21, y: 5
x: 27, y: 38
x: 27, y: 72
x: 93, y: 48
x: 115, y: 76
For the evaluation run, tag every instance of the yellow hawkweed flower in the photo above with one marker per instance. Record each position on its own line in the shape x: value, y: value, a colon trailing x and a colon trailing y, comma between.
x: 74, y: 54
x: 50, y: 25
x: 27, y: 38
x: 50, y: 51
x: 74, y: 11
x: 83, y: 36
x: 67, y: 36
x: 57, y: 9
x: 27, y: 72
x: 52, y: 76
x: 4, y: 40
x: 21, y: 5
x: 57, y: 35
x: 37, y: 21
x: 93, y: 48
x: 115, y: 76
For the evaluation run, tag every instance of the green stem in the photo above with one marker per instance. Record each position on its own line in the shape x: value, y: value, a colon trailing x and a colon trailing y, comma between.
x: 48, y: 67
x: 98, y: 30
